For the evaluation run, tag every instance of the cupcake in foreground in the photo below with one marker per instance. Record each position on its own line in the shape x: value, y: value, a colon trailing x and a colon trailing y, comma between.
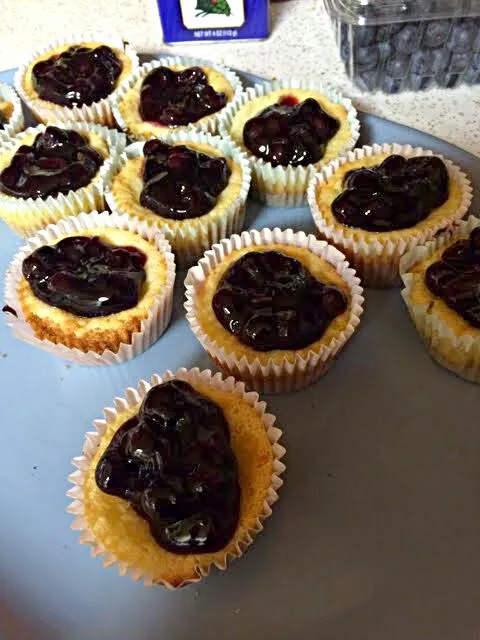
x: 49, y: 173
x: 11, y: 113
x: 379, y: 202
x: 174, y: 94
x: 273, y: 308
x: 193, y: 187
x: 442, y: 285
x: 178, y: 478
x: 76, y: 77
x: 288, y: 129
x: 96, y: 289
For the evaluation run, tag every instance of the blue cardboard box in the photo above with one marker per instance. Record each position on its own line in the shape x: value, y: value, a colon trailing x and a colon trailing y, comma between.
x: 211, y: 20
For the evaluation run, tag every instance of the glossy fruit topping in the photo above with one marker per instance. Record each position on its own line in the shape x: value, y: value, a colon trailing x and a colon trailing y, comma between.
x: 455, y: 278
x: 171, y: 98
x: 179, y: 182
x: 396, y: 194
x: 86, y: 276
x: 290, y: 132
x: 174, y: 464
x: 58, y: 161
x: 269, y: 300
x: 78, y: 76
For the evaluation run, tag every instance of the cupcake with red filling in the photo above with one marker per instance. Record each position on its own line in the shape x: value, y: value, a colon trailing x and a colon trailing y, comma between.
x: 288, y: 129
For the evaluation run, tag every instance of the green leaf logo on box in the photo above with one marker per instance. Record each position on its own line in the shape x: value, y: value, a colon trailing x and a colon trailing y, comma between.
x: 207, y: 7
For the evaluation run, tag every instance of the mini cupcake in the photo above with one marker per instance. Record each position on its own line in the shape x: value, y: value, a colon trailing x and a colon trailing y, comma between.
x: 289, y: 129
x: 273, y: 308
x: 376, y: 203
x: 176, y: 94
x: 442, y: 284
x: 192, y: 185
x: 134, y: 500
x: 11, y: 114
x: 49, y: 173
x: 95, y: 289
x: 76, y: 77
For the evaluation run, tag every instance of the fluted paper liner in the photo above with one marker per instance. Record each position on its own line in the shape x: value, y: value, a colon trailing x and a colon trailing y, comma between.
x: 286, y: 375
x: 151, y: 328
x: 191, y: 238
x: 133, y: 398
x: 458, y: 353
x: 286, y: 186
x: 208, y: 123
x: 26, y: 216
x: 98, y: 112
x: 16, y: 121
x: 377, y: 259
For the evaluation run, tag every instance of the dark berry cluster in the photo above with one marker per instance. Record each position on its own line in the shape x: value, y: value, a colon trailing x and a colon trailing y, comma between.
x: 396, y: 194
x: 290, y: 132
x: 86, y: 276
x: 456, y: 277
x: 174, y: 463
x: 173, y: 98
x: 59, y: 161
x: 78, y: 76
x: 179, y: 182
x: 271, y: 301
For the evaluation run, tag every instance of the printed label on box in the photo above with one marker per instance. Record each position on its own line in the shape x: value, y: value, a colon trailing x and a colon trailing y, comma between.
x: 212, y: 14
x: 197, y: 20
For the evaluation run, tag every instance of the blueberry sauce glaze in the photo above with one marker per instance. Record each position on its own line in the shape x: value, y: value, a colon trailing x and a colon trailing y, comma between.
x: 397, y: 194
x: 269, y: 300
x: 58, y: 161
x: 290, y: 132
x: 179, y: 182
x: 86, y: 276
x: 174, y: 464
x: 455, y: 278
x: 77, y: 76
x: 172, y: 98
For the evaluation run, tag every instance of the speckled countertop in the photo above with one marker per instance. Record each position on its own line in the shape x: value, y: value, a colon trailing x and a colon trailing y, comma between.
x: 302, y: 43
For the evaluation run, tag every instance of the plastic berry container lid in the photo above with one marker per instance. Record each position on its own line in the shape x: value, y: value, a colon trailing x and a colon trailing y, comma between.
x: 375, y: 12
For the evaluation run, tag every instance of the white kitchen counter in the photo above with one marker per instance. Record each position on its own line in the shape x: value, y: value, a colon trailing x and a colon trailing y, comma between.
x: 302, y: 43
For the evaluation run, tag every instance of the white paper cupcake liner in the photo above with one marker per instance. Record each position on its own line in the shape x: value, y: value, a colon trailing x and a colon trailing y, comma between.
x: 283, y: 376
x: 190, y: 239
x: 377, y: 258
x: 27, y: 216
x: 458, y: 353
x: 151, y: 328
x: 209, y: 123
x: 131, y: 399
x: 99, y: 112
x: 286, y: 186
x: 16, y: 122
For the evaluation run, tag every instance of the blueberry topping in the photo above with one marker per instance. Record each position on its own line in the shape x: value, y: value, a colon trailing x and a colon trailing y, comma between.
x: 455, y: 278
x: 396, y: 194
x: 86, y: 276
x: 78, y: 76
x: 179, y: 182
x: 173, y: 98
x: 174, y: 464
x: 59, y: 161
x: 3, y: 120
x: 268, y: 300
x: 290, y: 132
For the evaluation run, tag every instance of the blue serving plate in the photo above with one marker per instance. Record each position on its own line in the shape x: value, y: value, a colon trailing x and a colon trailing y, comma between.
x: 377, y: 531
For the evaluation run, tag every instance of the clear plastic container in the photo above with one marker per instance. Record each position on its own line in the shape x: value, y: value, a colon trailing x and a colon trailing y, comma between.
x: 395, y: 45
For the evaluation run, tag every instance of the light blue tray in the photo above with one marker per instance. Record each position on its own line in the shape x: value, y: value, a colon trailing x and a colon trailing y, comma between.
x: 377, y: 531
